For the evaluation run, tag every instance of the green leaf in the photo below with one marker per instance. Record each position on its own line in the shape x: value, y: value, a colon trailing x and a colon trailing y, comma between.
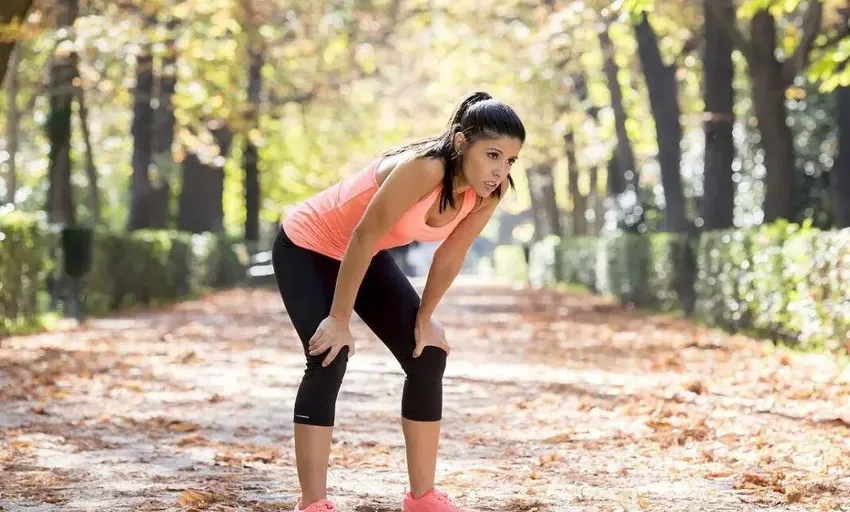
x: 749, y: 8
x: 639, y: 6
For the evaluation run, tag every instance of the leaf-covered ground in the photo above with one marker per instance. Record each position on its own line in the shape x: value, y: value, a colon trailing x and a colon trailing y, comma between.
x: 554, y: 401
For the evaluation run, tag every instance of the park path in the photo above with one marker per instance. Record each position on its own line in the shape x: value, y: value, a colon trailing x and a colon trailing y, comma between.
x: 554, y: 401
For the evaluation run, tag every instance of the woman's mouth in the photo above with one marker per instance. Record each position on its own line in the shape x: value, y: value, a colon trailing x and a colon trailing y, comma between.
x: 490, y: 184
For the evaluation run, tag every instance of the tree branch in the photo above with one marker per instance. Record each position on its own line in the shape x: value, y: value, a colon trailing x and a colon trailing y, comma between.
x: 811, y: 29
x: 738, y: 39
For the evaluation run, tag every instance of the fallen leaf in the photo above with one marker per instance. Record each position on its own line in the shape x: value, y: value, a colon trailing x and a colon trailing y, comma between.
x: 558, y: 438
x: 182, y: 426
x: 793, y: 493
x: 195, y: 498
x: 696, y: 387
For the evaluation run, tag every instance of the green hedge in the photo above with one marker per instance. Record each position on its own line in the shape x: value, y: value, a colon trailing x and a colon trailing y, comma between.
x: 783, y: 281
x: 672, y: 272
x: 623, y: 268
x: 724, y: 284
x: 152, y: 267
x: 27, y: 251
x: 646, y: 271
x: 829, y: 282
x: 580, y: 261
x: 142, y: 268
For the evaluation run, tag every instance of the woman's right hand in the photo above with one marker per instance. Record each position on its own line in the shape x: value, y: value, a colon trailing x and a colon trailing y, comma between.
x: 333, y: 334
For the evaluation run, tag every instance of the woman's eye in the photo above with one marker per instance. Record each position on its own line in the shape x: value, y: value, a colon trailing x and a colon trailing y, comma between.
x: 493, y: 155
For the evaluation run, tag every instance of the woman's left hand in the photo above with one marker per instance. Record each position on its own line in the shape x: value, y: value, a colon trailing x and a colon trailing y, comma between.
x: 429, y: 333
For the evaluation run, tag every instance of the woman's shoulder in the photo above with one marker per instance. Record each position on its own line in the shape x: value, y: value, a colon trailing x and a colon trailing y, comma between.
x: 427, y: 168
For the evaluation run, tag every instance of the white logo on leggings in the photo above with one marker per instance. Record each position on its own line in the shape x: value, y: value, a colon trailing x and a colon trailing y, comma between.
x: 302, y: 416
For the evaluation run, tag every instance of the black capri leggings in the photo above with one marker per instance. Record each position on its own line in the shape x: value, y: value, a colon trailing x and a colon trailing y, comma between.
x: 386, y: 302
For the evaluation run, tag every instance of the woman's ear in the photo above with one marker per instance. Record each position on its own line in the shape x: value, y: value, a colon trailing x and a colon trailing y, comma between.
x: 459, y: 142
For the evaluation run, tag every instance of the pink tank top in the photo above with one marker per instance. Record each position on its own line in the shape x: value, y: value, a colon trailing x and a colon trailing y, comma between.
x: 324, y: 223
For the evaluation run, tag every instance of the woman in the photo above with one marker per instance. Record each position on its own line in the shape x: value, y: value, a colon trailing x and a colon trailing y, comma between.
x: 330, y: 258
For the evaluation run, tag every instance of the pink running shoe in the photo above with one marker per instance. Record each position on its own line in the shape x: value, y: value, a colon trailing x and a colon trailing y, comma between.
x: 319, y: 506
x: 432, y: 501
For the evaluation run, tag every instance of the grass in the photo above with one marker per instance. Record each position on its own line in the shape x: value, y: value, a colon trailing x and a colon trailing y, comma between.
x: 29, y: 325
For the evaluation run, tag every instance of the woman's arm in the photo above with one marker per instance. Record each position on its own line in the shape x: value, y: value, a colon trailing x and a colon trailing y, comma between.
x: 449, y: 257
x: 405, y: 185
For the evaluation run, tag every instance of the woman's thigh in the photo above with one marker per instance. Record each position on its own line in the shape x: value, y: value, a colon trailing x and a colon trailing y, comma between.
x: 388, y: 304
x: 306, y: 282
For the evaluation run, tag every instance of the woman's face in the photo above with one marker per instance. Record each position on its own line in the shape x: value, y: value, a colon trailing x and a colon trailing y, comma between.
x: 486, y: 162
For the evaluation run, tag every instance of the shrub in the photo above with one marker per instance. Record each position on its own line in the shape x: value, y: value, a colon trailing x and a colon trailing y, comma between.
x: 784, y: 281
x: 623, y: 263
x: 579, y: 257
x: 27, y: 255
x: 136, y: 269
x: 672, y: 272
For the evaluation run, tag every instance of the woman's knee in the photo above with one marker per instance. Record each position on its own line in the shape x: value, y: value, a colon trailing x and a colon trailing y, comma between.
x: 423, y: 387
x: 332, y: 373
x: 315, y: 403
x: 429, y: 366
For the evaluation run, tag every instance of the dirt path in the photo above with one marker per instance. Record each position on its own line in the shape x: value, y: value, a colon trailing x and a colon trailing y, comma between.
x: 553, y: 402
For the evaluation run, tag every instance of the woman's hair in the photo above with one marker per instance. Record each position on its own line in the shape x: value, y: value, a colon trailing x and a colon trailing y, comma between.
x: 477, y: 116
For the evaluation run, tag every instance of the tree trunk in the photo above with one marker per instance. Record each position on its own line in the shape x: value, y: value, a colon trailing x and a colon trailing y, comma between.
x: 616, y: 184
x: 91, y: 169
x: 195, y: 196
x: 63, y: 71
x: 579, y: 227
x: 664, y: 102
x: 768, y: 93
x: 201, y: 197
x: 842, y: 163
x: 550, y: 202
x: 547, y: 216
x: 596, y: 203
x: 624, y: 154
x: 252, y: 192
x: 719, y: 97
x: 13, y: 121
x: 251, y: 157
x: 142, y: 131
x: 592, y: 200
x: 9, y: 10
x: 538, y: 208
x: 163, y: 159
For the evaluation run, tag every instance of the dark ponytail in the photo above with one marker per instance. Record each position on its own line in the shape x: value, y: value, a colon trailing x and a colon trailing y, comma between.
x: 463, y: 108
x: 477, y: 116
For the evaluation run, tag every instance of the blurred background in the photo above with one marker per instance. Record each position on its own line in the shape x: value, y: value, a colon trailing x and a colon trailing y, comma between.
x: 156, y: 138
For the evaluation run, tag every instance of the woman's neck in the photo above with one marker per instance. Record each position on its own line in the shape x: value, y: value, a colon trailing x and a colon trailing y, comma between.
x: 459, y: 183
